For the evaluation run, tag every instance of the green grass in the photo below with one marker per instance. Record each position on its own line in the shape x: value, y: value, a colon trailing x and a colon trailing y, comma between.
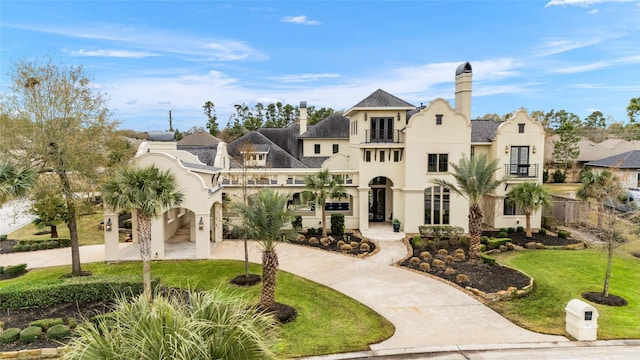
x: 327, y: 322
x: 88, y: 232
x: 562, y: 275
x: 563, y: 188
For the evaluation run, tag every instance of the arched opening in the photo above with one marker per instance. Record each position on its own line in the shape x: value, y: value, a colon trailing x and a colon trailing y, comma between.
x: 380, y: 199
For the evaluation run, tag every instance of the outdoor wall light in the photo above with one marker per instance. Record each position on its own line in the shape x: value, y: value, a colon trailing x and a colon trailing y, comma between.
x: 365, y: 116
x: 200, y: 224
x: 108, y: 225
x: 506, y: 149
x: 398, y: 116
x: 534, y: 149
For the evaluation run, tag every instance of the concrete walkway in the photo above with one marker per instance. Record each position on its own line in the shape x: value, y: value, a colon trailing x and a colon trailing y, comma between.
x: 425, y: 312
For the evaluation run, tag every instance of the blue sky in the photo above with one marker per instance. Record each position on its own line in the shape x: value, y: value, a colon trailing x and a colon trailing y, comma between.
x: 153, y: 56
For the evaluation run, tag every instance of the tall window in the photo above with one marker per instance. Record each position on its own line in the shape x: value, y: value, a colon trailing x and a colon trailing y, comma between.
x: 438, y: 162
x: 521, y: 128
x: 316, y: 149
x: 335, y: 148
x: 382, y: 156
x: 519, y: 160
x: 381, y: 129
x: 396, y: 158
x: 436, y: 205
x: 367, y: 155
x: 511, y: 208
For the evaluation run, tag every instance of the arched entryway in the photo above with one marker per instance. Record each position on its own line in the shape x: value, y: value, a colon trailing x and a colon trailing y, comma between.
x: 380, y: 199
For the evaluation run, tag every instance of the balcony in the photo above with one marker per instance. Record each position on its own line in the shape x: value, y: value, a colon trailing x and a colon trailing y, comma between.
x: 522, y: 170
x: 389, y: 136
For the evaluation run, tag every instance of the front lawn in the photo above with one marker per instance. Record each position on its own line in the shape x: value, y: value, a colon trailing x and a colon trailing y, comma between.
x: 562, y: 275
x: 327, y: 322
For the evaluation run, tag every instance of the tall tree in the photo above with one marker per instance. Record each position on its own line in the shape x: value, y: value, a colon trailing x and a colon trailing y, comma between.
x: 212, y: 119
x: 633, y: 109
x: 475, y: 179
x: 149, y: 191
x: 15, y: 181
x: 321, y: 187
x: 60, y: 124
x: 265, y: 215
x: 565, y: 150
x: 530, y: 197
x: 316, y: 115
x: 595, y: 125
x: 49, y: 207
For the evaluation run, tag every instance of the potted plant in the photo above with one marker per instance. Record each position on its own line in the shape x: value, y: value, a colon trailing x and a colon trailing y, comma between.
x: 396, y: 225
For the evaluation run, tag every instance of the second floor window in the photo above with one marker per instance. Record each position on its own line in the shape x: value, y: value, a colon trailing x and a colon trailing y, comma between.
x: 381, y: 130
x: 316, y: 149
x: 335, y: 148
x: 438, y: 163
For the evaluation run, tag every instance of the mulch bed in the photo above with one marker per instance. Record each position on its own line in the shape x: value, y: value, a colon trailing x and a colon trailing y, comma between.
x: 599, y: 298
x: 520, y: 238
x: 334, y: 244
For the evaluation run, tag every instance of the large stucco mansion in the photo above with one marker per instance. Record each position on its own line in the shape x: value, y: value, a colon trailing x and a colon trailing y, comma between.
x: 386, y: 150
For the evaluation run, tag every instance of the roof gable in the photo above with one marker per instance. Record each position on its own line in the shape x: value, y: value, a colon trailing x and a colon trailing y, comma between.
x: 199, y: 138
x: 277, y: 158
x: 382, y: 99
x: 333, y: 126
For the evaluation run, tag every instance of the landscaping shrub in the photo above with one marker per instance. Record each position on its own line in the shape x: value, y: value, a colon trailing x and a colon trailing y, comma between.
x: 502, y: 234
x: 545, y: 176
x: 563, y: 234
x: 311, y: 231
x: 495, y: 243
x: 35, y: 247
x: 484, y: 240
x: 425, y: 255
x: 45, y: 324
x: 418, y: 242
x: 340, y: 243
x: 440, y: 231
x: 462, y: 278
x: 15, y: 269
x: 549, y: 222
x: 520, y: 229
x: 448, y: 259
x: 69, y: 290
x: 425, y: 266
x: 28, y: 335
x: 346, y: 248
x: 325, y: 241
x: 365, y: 247
x: 319, y: 231
x: 9, y: 335
x: 487, y: 259
x: 542, y: 231
x: 3, y: 237
x: 58, y: 332
x: 42, y: 245
x: 463, y: 241
x: 1, y: 269
x: 483, y: 248
x: 300, y: 237
x: 443, y: 252
x: 17, y: 248
x: 313, y: 240
x: 72, y: 322
x: 460, y: 257
x: 52, y: 244
x: 511, y: 230
x: 337, y: 224
x: 449, y: 271
x: 438, y: 263
x: 296, y: 223
x: 559, y: 176
x: 415, y: 261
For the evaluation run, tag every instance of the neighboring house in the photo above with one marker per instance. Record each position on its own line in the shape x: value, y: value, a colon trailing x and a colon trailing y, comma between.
x: 591, y: 151
x: 626, y: 166
x: 386, y: 150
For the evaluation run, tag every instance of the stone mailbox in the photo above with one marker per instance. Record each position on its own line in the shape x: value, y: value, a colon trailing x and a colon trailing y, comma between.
x: 582, y: 320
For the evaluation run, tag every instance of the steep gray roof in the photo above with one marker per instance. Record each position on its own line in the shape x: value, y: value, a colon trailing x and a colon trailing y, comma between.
x: 484, y: 130
x: 206, y: 154
x: 314, y: 162
x: 277, y: 158
x: 201, y: 138
x: 286, y: 138
x: 380, y: 99
x: 333, y: 126
x: 628, y: 160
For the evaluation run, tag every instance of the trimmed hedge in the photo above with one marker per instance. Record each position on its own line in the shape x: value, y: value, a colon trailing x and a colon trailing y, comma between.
x: 495, y: 243
x: 45, y: 324
x: 59, y: 332
x: 337, y: 224
x: 14, y: 269
x: 85, y: 288
x: 440, y: 231
x: 28, y: 335
x: 41, y: 244
x: 487, y: 259
x: 10, y: 335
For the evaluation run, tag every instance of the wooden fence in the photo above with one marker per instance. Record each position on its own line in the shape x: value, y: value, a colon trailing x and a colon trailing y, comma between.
x: 567, y: 210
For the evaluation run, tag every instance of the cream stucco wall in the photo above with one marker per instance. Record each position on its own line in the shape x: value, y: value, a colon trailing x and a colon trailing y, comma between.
x: 326, y: 147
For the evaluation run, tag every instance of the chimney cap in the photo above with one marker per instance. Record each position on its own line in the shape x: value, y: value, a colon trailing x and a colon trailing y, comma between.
x: 464, y: 69
x: 303, y: 104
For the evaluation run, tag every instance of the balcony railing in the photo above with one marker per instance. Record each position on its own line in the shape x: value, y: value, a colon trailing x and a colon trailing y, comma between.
x: 386, y: 137
x: 521, y: 170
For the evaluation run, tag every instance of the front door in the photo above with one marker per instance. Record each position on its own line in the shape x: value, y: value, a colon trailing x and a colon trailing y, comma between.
x: 376, y: 204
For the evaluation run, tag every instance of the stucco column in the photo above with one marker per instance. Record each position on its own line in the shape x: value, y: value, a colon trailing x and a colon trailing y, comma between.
x: 203, y: 244
x: 111, y: 249
x: 217, y: 221
x: 363, y: 201
x: 157, y: 237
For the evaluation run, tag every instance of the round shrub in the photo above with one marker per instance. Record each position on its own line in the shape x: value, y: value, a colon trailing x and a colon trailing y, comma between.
x: 462, y: 279
x: 9, y: 335
x: 45, y: 324
x: 26, y: 247
x: 313, y: 240
x: 503, y: 234
x: 438, y: 263
x: 59, y: 332
x: 483, y: 248
x: 346, y: 248
x: 354, y: 244
x: 448, y: 259
x: 425, y: 266
x: 519, y: 229
x: 460, y: 256
x: 511, y: 230
x: 425, y: 255
x: 29, y: 334
x: 484, y: 240
x: 449, y: 271
x: 52, y: 244
x: 443, y: 252
x: 365, y: 247
x: 340, y: 244
x: 34, y: 247
x: 42, y: 245
x: 300, y: 237
x: 415, y: 261
x: 325, y: 241
x: 563, y: 234
x: 542, y: 231
x: 17, y: 248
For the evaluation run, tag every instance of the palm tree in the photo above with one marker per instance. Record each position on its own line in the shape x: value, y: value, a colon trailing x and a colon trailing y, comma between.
x: 265, y: 215
x: 475, y: 179
x: 15, y: 182
x: 206, y: 325
x: 320, y: 187
x: 530, y: 196
x: 148, y: 191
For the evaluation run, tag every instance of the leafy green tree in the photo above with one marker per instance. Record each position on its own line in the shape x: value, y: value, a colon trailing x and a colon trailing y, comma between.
x: 49, y: 207
x: 148, y: 191
x: 203, y: 325
x: 566, y: 125
x: 595, y: 126
x: 633, y: 109
x: 321, y: 187
x: 254, y: 118
x: 265, y: 215
x: 314, y: 115
x: 530, y: 197
x: 59, y: 123
x: 212, y: 119
x: 592, y: 187
x: 15, y: 181
x: 475, y: 179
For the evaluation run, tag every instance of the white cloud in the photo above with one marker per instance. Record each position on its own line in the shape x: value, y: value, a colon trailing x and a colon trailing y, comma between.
x: 598, y: 65
x: 302, y: 19
x: 593, y: 12
x: 582, y: 3
x: 111, y: 53
x: 298, y: 78
x: 553, y: 47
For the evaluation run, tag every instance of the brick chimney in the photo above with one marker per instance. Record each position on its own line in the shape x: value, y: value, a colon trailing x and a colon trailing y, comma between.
x: 463, y: 89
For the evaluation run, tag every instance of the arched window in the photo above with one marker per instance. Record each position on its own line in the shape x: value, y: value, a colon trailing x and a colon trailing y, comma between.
x: 436, y: 205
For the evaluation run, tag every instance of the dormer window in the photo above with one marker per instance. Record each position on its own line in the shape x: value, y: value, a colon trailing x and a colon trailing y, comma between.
x: 521, y: 128
x: 438, y: 119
